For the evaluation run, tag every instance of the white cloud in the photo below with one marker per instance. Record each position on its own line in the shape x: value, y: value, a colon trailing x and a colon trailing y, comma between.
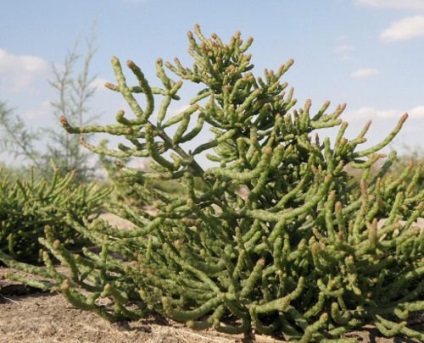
x: 417, y: 112
x: 404, y: 29
x: 99, y: 84
x: 364, y: 72
x: 19, y: 71
x: 373, y: 113
x: 344, y: 50
x: 401, y: 4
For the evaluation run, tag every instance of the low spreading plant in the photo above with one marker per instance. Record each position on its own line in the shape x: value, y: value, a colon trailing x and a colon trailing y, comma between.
x: 305, y: 251
x: 28, y: 205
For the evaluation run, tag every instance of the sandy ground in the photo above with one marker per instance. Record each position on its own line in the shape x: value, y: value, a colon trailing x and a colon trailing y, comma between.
x: 42, y: 318
x: 28, y: 316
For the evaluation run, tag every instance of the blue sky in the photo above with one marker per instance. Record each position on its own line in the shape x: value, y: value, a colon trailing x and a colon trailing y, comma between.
x: 366, y: 53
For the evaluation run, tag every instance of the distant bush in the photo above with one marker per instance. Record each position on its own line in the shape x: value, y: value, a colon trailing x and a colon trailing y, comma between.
x: 137, y: 188
x: 410, y: 159
x: 28, y: 205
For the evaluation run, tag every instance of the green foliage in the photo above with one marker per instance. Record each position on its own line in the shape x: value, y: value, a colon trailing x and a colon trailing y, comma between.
x: 28, y: 205
x: 130, y: 188
x: 16, y: 138
x: 302, y: 253
x: 75, y: 91
x: 410, y: 158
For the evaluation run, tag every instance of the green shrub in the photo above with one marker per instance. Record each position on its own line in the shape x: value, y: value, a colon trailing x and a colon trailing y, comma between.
x: 410, y: 159
x: 130, y: 188
x: 301, y: 254
x: 28, y: 205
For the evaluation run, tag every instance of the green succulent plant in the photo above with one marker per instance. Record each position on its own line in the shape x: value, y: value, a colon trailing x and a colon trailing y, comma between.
x: 301, y: 253
x: 28, y: 205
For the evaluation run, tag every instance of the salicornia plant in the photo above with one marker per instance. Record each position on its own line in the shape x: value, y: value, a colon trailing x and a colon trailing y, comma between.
x: 274, y: 237
x: 28, y: 204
